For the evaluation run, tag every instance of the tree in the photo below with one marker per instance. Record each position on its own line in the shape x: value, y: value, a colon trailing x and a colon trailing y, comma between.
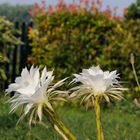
x: 18, y: 13
x: 7, y: 41
x: 133, y: 11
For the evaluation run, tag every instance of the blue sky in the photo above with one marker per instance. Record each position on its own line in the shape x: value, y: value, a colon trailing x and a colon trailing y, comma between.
x: 121, y: 4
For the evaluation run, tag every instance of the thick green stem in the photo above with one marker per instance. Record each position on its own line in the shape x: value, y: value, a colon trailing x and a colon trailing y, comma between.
x: 58, y: 125
x: 100, y: 134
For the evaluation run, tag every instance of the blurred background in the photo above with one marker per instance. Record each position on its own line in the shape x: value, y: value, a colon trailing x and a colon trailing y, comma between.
x: 68, y: 36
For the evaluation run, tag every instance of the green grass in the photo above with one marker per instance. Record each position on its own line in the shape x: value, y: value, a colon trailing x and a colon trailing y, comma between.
x: 121, y: 121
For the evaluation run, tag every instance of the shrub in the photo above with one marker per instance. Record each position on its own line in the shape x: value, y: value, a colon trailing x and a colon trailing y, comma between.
x: 7, y: 41
x: 125, y: 41
x: 71, y: 37
x: 133, y: 11
x: 15, y: 13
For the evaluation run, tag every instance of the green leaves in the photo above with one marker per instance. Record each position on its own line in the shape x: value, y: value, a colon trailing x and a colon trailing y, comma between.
x: 69, y: 41
x: 7, y: 42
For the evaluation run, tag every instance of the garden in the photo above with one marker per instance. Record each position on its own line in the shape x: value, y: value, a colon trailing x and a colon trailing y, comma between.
x: 69, y: 72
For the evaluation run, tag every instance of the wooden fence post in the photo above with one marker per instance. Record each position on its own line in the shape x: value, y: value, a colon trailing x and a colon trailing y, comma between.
x: 30, y: 25
x: 23, y: 48
x: 15, y: 51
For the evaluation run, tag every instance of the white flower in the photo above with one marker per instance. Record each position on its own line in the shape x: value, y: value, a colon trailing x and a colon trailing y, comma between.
x: 34, y: 91
x: 26, y: 83
x: 95, y: 82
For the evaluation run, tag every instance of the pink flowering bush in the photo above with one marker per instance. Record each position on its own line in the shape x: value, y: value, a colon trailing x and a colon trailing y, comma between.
x: 73, y: 36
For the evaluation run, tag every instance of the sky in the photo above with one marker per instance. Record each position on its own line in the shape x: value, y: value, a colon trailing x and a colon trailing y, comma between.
x: 121, y: 4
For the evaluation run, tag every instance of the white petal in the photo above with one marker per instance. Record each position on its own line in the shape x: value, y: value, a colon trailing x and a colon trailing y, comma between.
x: 18, y: 80
x: 25, y: 74
x: 29, y: 90
x: 49, y: 74
x: 38, y: 96
x: 95, y: 70
x: 60, y: 83
x: 35, y: 76
x: 12, y: 87
x: 113, y: 75
x: 44, y: 74
x: 106, y: 74
x: 27, y: 108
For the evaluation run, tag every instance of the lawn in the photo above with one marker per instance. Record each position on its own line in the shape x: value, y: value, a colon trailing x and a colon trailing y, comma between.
x: 121, y: 121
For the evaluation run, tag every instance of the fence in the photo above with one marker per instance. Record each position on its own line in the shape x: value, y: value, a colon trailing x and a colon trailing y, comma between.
x: 18, y: 55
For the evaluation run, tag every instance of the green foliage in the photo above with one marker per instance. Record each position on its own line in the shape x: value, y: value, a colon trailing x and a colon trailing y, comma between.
x: 18, y: 13
x: 133, y: 11
x: 7, y: 41
x: 123, y: 42
x: 120, y: 122
x: 72, y: 40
